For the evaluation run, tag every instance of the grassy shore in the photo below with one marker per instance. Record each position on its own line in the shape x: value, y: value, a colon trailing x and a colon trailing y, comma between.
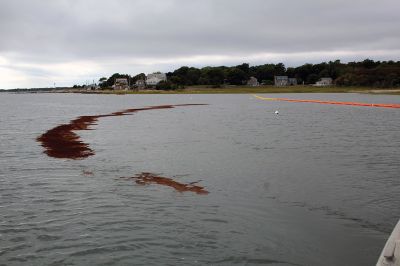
x: 247, y: 89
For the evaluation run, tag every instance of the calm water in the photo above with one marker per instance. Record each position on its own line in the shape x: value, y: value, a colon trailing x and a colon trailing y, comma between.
x: 314, y: 185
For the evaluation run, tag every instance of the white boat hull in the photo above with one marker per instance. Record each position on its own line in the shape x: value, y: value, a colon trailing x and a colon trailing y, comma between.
x: 390, y: 255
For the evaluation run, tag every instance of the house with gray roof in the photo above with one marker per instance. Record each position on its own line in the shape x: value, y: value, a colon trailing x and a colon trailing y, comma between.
x: 155, y: 78
x: 281, y: 81
x: 121, y: 84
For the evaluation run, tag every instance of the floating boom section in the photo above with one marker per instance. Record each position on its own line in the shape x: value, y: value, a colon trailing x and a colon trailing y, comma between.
x: 382, y: 105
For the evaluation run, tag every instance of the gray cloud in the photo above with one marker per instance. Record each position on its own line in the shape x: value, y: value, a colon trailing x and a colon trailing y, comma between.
x: 130, y: 32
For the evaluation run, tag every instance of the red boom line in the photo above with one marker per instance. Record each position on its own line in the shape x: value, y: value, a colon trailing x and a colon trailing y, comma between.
x: 383, y: 105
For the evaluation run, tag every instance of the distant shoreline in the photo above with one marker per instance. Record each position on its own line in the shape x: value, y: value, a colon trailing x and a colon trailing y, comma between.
x: 227, y: 90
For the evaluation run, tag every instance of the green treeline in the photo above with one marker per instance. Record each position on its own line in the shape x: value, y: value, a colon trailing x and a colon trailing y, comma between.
x: 365, y: 73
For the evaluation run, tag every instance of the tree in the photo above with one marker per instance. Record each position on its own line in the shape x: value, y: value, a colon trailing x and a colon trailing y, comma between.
x: 215, y: 76
x: 280, y: 69
x: 363, y: 73
x: 304, y: 71
x: 368, y: 63
x: 186, y: 76
x: 212, y: 76
x: 312, y: 78
x: 236, y: 76
x: 103, y: 82
x: 141, y: 76
x: 166, y: 85
x: 193, y: 76
x: 244, y: 67
x: 264, y: 72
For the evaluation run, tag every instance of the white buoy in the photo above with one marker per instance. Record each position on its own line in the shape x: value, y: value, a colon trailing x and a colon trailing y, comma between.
x: 276, y: 112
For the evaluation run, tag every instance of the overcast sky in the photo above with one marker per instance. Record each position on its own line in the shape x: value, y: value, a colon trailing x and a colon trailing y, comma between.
x: 68, y: 42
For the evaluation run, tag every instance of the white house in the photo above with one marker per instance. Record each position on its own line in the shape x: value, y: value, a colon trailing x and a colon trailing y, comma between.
x: 253, y: 82
x: 155, y: 78
x: 324, y: 82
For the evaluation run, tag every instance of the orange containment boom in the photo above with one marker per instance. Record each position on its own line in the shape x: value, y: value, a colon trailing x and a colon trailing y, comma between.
x: 383, y: 105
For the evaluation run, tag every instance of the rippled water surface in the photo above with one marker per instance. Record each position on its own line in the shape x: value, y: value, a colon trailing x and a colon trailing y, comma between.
x: 314, y: 185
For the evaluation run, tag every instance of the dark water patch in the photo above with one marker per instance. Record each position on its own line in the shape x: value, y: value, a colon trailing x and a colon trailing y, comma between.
x: 39, y: 184
x: 149, y: 178
x: 13, y: 230
x: 60, y: 247
x: 215, y: 220
x: 18, y: 239
x: 46, y: 237
x: 8, y: 249
x: 87, y: 173
x: 363, y: 223
x: 260, y: 261
x: 106, y: 249
x: 62, y: 141
x: 25, y: 258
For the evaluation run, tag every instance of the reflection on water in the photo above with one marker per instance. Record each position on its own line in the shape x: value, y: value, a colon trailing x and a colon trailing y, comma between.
x: 316, y: 185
